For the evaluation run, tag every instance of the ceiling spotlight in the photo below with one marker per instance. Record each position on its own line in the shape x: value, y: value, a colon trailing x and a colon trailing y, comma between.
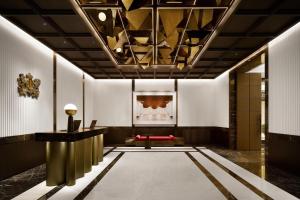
x: 119, y: 50
x: 102, y: 16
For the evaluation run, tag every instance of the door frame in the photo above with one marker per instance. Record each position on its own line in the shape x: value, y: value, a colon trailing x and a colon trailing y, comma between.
x: 243, y: 67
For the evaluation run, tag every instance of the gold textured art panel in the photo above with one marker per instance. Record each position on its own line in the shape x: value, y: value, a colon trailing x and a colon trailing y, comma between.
x: 28, y: 87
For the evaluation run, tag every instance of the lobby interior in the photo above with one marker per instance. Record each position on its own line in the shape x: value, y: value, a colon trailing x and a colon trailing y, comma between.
x: 149, y: 100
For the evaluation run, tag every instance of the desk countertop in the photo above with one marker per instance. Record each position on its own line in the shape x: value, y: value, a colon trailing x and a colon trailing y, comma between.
x: 64, y: 136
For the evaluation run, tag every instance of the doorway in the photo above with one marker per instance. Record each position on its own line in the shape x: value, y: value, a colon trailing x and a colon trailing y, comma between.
x: 249, y: 110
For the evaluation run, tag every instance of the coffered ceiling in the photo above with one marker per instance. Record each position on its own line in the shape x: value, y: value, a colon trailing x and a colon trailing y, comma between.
x: 153, y: 39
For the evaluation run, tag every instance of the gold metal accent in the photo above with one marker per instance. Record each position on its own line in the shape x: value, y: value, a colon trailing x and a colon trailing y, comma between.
x: 167, y: 24
x: 28, y: 87
x: 71, y: 112
x: 55, y: 163
x: 67, y: 161
x: 70, y: 163
x: 88, y: 154
x: 101, y: 147
x: 79, y: 156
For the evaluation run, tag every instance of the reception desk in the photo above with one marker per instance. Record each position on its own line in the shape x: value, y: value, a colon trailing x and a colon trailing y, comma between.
x: 70, y: 155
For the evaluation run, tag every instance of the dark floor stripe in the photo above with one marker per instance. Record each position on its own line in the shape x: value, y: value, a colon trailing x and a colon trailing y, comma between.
x: 51, y: 192
x: 109, y: 151
x: 218, y: 185
x: 89, y: 188
x: 240, y: 179
x: 57, y: 188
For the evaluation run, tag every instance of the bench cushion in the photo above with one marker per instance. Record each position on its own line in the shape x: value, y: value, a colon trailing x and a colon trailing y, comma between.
x: 155, y: 138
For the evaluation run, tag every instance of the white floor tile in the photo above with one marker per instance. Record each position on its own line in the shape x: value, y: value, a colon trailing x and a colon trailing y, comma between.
x: 35, y: 192
x: 153, y: 149
x: 155, y: 176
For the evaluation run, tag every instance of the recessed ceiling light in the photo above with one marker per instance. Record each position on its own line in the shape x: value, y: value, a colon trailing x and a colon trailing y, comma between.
x: 119, y: 50
x: 102, y: 16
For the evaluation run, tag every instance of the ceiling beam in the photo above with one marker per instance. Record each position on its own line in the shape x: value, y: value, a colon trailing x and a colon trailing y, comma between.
x: 94, y: 67
x: 228, y: 49
x: 138, y: 73
x: 218, y: 59
x: 81, y: 49
x: 275, y: 7
x: 65, y: 35
x: 161, y: 6
x: 246, y: 35
x: 43, y: 12
x: 89, y: 59
x: 265, y: 13
x: 35, y: 7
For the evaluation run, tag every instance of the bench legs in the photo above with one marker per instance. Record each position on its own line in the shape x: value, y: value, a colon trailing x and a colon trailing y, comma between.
x: 147, y: 143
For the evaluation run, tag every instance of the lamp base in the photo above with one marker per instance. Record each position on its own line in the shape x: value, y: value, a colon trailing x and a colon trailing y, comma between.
x: 70, y: 124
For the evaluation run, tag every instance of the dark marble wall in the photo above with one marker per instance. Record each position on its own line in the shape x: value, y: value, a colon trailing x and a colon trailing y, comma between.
x: 191, y: 135
x: 20, y: 153
x: 283, y: 151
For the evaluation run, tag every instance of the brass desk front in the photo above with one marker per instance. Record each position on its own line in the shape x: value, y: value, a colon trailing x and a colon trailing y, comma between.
x: 70, y: 155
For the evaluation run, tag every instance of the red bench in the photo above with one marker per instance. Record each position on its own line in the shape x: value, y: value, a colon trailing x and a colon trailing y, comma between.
x: 155, y: 138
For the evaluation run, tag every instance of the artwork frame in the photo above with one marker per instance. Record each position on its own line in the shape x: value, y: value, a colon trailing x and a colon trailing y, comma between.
x: 154, y: 114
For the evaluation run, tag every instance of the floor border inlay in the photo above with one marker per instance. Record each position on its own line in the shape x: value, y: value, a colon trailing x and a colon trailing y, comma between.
x: 240, y: 179
x: 218, y: 185
x: 94, y: 182
x: 51, y: 192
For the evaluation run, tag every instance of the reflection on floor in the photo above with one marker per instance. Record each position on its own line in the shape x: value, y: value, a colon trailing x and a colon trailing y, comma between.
x: 167, y: 173
x: 254, y: 161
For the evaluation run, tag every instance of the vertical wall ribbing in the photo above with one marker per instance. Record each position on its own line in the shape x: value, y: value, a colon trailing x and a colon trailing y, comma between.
x: 284, y: 83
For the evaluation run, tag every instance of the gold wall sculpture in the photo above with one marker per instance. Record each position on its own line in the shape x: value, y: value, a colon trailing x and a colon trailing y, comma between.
x: 28, y: 87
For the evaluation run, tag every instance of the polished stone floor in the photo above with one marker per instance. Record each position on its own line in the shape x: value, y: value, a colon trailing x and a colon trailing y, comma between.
x: 15, y: 185
x: 254, y: 161
x: 164, y: 164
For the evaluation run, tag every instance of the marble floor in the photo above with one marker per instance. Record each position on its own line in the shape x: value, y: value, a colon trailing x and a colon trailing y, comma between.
x: 129, y: 173
x: 254, y: 161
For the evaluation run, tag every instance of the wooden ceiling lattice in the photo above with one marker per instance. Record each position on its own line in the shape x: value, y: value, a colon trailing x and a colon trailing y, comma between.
x: 56, y: 24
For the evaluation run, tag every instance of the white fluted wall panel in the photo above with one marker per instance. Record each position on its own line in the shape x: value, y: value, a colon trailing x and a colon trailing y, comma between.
x: 284, y: 83
x: 20, y: 53
x: 196, y: 102
x: 113, y: 102
x: 154, y: 85
x: 69, y: 90
x: 89, y: 99
x: 221, y: 116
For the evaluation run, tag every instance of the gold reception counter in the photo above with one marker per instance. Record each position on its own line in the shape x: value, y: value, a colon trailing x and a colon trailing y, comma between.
x: 70, y: 155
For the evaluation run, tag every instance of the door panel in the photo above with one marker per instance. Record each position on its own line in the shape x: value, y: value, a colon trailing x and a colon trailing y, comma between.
x: 243, y: 112
x: 255, y: 111
x: 248, y: 111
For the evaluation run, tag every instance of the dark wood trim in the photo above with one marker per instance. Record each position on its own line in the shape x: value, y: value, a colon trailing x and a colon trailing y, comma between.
x: 20, y: 153
x: 54, y: 91
x: 176, y: 90
x: 16, y: 139
x: 283, y: 151
x: 192, y: 135
x: 83, y: 100
x: 132, y: 90
x: 266, y: 100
